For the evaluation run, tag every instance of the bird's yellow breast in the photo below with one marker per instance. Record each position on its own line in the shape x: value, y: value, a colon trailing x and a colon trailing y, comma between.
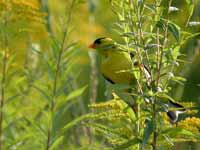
x: 117, y: 67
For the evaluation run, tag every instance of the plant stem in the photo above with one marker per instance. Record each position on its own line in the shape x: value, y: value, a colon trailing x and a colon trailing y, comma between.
x: 160, y: 52
x: 138, y: 42
x: 3, y: 88
x: 3, y: 81
x: 45, y: 8
x: 154, y: 143
x: 57, y: 71
x: 54, y: 90
x: 159, y: 59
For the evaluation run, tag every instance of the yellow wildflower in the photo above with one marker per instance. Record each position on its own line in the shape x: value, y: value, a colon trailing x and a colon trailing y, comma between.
x: 112, y: 104
x: 192, y: 124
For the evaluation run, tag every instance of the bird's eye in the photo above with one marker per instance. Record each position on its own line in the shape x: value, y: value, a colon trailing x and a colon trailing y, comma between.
x: 98, y: 41
x: 136, y: 63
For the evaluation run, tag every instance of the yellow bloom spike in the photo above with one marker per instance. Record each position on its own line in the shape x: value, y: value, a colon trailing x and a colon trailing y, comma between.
x: 192, y: 124
x: 112, y: 104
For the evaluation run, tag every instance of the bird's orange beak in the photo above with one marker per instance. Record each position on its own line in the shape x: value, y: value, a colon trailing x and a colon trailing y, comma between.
x: 92, y: 46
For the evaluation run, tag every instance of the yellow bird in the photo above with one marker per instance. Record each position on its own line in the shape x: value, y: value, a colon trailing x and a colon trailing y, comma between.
x: 116, y: 65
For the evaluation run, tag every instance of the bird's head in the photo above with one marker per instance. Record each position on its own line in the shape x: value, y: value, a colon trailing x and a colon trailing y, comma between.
x: 103, y: 44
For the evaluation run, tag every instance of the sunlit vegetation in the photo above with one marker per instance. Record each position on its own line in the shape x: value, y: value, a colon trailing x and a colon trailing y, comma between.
x: 52, y: 93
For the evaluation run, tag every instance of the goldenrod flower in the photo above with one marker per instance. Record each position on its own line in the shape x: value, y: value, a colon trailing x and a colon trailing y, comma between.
x: 112, y: 104
x: 192, y: 124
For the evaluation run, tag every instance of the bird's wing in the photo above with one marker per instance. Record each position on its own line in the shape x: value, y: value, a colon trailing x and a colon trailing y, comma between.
x: 108, y: 79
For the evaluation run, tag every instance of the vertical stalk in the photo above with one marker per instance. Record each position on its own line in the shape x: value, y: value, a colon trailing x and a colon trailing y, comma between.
x: 154, y: 143
x: 93, y: 65
x: 57, y: 71
x: 3, y: 89
x: 159, y: 59
x: 93, y: 77
x: 54, y: 90
x: 136, y: 10
x: 3, y: 80
x: 160, y: 52
x: 45, y: 8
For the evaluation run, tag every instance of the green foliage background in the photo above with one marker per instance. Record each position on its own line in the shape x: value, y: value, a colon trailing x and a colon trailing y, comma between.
x: 51, y: 77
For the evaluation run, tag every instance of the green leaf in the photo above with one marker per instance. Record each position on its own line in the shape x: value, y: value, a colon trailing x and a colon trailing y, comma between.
x: 160, y: 23
x: 36, y: 127
x: 147, y: 132
x: 188, y: 36
x: 80, y: 1
x: 11, y: 60
x: 129, y: 143
x: 43, y: 93
x: 179, y: 79
x: 11, y: 98
x: 164, y: 96
x: 190, y: 8
x: 175, y: 30
x: 150, y: 7
x: 16, y: 142
x: 74, y: 94
x: 141, y: 4
x: 50, y: 69
x: 172, y: 27
x: 177, y: 132
x: 188, y: 2
x: 75, y: 122
x: 71, y: 45
x: 57, y: 142
x: 107, y: 131
x: 55, y: 48
x: 176, y: 52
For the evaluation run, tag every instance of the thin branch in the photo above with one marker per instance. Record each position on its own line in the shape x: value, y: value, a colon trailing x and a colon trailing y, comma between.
x: 3, y: 80
x: 45, y: 8
x: 160, y: 53
x: 3, y: 88
x: 57, y: 71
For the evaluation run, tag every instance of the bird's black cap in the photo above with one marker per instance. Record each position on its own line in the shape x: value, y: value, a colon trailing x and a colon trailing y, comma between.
x: 98, y: 41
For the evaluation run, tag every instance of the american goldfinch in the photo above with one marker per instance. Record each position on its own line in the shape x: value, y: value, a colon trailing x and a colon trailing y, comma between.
x: 173, y: 110
x: 117, y: 67
x: 116, y: 63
